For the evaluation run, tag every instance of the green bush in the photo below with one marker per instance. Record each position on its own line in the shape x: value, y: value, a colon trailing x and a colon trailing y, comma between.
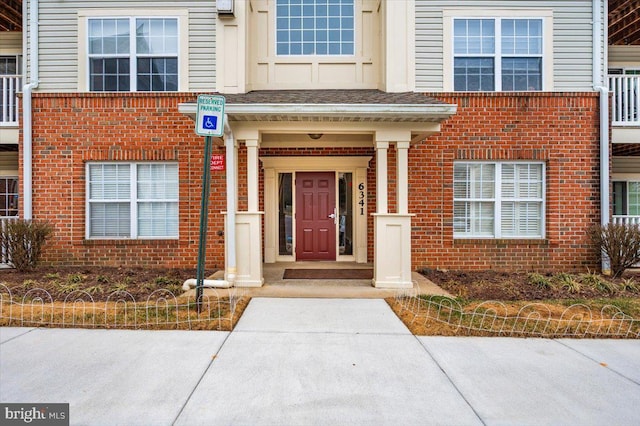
x: 24, y: 240
x: 620, y: 243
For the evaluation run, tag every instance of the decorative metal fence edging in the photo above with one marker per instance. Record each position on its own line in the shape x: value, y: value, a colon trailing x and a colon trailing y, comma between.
x: 161, y: 310
x: 531, y: 320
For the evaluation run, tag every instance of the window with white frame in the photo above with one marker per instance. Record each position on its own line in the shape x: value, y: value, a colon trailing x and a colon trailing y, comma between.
x: 626, y: 198
x: 132, y: 200
x: 497, y: 54
x: 133, y: 54
x: 315, y: 27
x: 498, y: 200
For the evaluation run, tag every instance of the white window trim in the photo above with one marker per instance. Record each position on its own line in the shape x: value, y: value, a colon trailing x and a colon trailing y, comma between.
x: 547, y: 43
x: 497, y: 202
x: 83, y: 39
x: 133, y: 201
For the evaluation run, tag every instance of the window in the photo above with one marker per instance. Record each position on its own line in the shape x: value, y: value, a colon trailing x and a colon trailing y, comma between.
x: 498, y: 200
x: 10, y: 85
x: 133, y: 54
x: 626, y: 198
x: 497, y: 54
x: 315, y: 27
x: 132, y: 200
x: 8, y: 196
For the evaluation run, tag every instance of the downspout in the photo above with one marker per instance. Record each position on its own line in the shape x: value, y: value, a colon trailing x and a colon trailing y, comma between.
x: 599, y: 35
x: 231, y: 203
x: 27, y: 132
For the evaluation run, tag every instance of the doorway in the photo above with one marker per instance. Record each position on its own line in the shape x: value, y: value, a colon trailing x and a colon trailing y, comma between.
x: 283, y: 178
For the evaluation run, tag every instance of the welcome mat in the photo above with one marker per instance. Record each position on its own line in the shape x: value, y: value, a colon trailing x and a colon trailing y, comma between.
x: 328, y: 274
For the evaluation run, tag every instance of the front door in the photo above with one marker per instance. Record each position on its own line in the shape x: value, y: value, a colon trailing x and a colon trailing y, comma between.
x: 316, y: 216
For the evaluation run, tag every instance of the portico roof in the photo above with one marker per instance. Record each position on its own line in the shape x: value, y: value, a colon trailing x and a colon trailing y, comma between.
x: 331, y: 105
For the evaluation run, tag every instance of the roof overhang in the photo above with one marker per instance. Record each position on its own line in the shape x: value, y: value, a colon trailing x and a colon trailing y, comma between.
x: 281, y: 112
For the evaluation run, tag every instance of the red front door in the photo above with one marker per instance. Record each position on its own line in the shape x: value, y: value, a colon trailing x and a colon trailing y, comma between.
x: 315, y: 216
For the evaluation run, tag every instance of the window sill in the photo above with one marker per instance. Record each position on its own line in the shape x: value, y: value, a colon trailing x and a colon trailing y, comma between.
x: 130, y: 242
x: 501, y: 242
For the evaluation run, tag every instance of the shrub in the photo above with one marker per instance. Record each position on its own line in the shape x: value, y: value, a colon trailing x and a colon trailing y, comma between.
x: 24, y: 240
x: 620, y: 243
x: 540, y: 281
x: 567, y: 282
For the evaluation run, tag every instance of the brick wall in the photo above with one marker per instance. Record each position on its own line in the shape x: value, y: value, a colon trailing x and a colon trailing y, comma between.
x: 72, y: 129
x: 559, y: 129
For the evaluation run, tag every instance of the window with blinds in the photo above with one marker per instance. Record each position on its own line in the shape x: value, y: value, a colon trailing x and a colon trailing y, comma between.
x: 498, y: 200
x: 132, y: 200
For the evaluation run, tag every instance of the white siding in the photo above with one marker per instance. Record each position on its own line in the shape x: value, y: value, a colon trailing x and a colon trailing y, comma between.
x: 624, y: 56
x: 10, y: 42
x: 59, y: 40
x: 625, y: 165
x: 8, y: 163
x: 572, y: 40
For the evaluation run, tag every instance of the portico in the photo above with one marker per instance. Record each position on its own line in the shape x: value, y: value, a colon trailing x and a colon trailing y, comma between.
x: 329, y: 169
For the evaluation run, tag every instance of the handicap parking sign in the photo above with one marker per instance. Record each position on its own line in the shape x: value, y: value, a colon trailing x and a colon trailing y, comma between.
x: 210, y: 122
x: 210, y: 115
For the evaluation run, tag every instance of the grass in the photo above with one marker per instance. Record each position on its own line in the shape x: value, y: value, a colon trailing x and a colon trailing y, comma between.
x: 217, y: 314
x: 548, y: 318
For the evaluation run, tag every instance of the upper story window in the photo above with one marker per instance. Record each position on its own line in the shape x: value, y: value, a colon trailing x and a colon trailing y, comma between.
x: 10, y: 85
x: 494, y: 54
x: 133, y: 54
x: 10, y: 65
x: 315, y: 27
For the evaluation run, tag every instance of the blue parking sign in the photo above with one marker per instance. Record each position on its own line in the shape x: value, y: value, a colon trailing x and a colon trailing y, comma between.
x: 210, y: 122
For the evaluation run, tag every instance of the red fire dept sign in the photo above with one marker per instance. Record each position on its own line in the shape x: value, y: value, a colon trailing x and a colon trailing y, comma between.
x: 217, y: 162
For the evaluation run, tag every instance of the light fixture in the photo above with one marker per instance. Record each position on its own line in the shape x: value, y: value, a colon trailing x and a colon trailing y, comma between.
x: 315, y: 136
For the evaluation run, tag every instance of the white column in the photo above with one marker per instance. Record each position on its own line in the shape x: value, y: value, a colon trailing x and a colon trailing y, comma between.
x: 402, y: 175
x: 252, y: 175
x: 382, y: 202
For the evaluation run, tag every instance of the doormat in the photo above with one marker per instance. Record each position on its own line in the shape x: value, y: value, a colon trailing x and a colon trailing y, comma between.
x: 328, y: 274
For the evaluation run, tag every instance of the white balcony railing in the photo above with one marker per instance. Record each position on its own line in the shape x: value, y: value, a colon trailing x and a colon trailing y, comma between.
x: 9, y: 86
x: 626, y: 220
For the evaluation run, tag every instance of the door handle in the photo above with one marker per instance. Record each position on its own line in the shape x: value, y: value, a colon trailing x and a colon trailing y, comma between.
x: 334, y: 216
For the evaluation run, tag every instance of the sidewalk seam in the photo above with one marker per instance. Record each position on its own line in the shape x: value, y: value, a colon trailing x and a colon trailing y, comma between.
x: 19, y: 335
x: 450, y: 380
x: 204, y: 373
x: 596, y: 361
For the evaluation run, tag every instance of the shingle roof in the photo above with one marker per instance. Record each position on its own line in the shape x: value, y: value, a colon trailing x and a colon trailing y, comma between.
x: 333, y: 96
x: 331, y: 105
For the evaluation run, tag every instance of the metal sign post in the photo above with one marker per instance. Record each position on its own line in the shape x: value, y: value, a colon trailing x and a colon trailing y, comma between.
x: 209, y: 123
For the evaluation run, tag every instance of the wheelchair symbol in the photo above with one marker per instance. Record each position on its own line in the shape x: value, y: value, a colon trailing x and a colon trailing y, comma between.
x: 210, y: 122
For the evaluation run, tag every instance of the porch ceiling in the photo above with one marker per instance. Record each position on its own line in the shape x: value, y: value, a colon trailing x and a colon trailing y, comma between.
x: 11, y: 15
x: 331, y: 106
x: 624, y: 22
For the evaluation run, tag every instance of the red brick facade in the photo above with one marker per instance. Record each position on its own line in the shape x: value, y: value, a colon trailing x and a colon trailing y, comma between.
x: 560, y: 129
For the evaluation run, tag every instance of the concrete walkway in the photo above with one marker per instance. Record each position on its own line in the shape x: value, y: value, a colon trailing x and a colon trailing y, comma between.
x: 320, y: 361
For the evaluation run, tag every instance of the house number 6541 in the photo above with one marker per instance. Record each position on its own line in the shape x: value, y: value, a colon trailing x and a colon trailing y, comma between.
x: 361, y: 198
